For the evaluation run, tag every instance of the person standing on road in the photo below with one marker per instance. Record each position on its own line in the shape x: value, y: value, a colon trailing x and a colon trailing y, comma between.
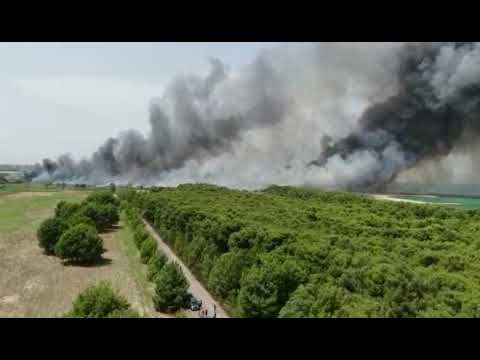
x: 214, y: 310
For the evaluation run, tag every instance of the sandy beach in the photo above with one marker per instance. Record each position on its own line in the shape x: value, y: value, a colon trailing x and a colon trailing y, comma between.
x: 391, y: 198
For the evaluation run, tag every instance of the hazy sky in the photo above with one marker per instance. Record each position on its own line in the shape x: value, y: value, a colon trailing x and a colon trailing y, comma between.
x: 59, y: 97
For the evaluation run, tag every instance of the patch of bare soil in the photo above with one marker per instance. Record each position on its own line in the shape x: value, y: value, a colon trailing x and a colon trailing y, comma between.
x: 33, y: 284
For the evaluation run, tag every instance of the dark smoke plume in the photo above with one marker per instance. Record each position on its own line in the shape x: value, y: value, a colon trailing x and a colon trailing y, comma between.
x: 438, y: 101
x: 370, y: 111
x: 186, y: 124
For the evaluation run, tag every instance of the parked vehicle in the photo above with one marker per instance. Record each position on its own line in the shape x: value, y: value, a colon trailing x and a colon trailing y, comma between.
x: 192, y: 303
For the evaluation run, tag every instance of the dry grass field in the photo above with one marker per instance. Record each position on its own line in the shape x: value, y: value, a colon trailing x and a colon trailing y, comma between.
x: 36, y: 285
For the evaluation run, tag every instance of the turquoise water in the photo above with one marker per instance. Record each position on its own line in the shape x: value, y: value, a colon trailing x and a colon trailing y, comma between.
x: 463, y: 202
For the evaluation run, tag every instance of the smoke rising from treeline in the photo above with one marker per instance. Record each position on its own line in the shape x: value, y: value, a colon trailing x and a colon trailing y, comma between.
x: 435, y: 109
x: 352, y: 116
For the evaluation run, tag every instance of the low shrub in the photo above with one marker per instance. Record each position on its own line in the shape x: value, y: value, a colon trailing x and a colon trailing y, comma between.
x: 81, y: 243
x: 49, y: 234
x: 148, y: 250
x: 171, y: 288
x: 155, y: 265
x: 78, y: 219
x: 100, y: 301
x: 139, y: 236
x: 103, y: 198
x: 104, y: 215
x: 65, y: 210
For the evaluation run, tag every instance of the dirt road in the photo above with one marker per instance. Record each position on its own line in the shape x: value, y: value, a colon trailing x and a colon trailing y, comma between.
x: 196, y: 287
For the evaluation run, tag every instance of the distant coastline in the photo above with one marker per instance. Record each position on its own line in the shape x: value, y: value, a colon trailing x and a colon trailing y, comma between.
x: 450, y: 190
x: 399, y: 199
x: 393, y: 198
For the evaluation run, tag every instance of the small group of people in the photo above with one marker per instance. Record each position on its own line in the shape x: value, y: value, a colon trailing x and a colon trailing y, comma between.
x: 204, y: 312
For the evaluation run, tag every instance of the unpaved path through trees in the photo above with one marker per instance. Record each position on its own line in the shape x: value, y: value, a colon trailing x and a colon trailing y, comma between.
x: 196, y: 287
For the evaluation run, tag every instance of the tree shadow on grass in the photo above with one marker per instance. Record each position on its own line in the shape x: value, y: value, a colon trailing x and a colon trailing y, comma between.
x: 112, y: 229
x: 97, y: 263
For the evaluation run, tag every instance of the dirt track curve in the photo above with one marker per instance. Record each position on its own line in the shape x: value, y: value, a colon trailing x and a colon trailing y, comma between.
x: 196, y: 287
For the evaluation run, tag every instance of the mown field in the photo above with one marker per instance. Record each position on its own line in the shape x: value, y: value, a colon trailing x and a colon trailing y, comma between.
x: 22, y: 187
x: 291, y: 252
x: 33, y: 284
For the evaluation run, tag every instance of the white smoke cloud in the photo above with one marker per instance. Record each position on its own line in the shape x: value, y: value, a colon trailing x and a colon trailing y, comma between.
x: 266, y: 122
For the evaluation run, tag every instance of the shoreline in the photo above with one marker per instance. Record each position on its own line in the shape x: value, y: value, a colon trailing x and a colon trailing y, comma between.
x: 393, y: 198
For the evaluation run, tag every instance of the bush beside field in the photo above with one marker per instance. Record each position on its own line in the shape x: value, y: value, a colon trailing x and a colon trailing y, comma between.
x: 72, y: 234
x: 101, y: 301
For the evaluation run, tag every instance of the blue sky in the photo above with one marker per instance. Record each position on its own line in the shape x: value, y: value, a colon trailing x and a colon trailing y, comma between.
x: 59, y: 97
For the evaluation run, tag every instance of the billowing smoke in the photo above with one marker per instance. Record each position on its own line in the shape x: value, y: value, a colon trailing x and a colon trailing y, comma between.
x: 188, y: 123
x: 435, y: 109
x: 343, y: 115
